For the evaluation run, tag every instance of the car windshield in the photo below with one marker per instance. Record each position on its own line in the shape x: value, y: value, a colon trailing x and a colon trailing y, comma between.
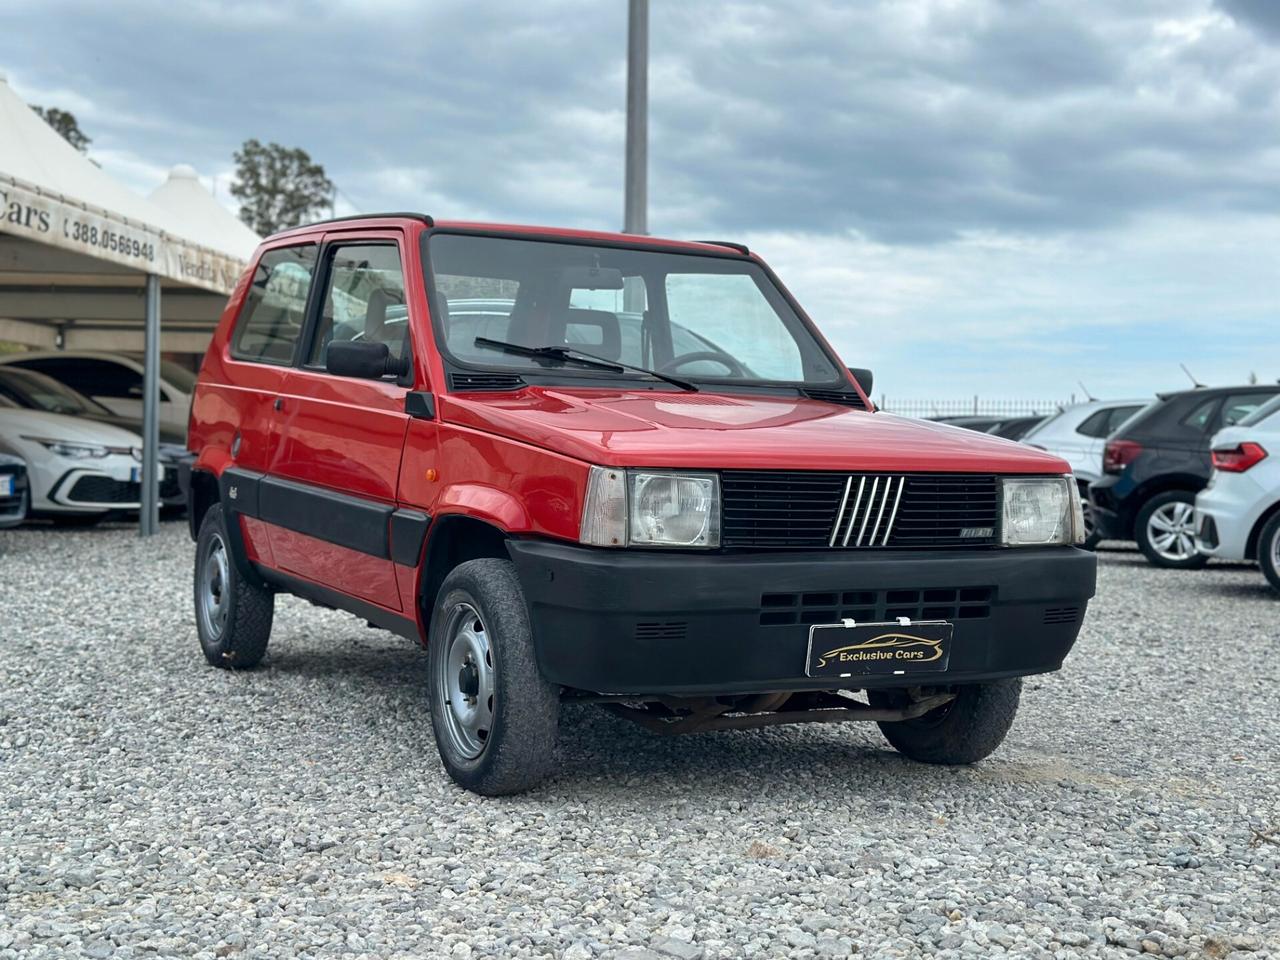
x: 35, y: 391
x: 700, y: 318
x: 1268, y: 409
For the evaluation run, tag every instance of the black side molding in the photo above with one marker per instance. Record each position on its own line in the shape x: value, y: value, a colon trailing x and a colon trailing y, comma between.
x: 351, y: 522
x: 408, y: 531
x: 238, y: 493
x: 420, y: 405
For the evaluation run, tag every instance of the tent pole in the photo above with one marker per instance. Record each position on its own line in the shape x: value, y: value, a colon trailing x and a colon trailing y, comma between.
x: 149, y: 517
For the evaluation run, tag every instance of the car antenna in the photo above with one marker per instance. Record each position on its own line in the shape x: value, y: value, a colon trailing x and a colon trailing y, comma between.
x: 1089, y: 396
x: 1196, y: 383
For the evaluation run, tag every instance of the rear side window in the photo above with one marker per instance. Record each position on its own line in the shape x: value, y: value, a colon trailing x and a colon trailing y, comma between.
x: 276, y: 306
x: 1201, y: 415
x: 1118, y: 416
x: 363, y: 300
x: 1095, y: 425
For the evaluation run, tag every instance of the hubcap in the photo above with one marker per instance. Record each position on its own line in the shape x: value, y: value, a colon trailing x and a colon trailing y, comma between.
x: 1275, y: 552
x: 465, y: 681
x: 215, y: 585
x: 1171, y: 530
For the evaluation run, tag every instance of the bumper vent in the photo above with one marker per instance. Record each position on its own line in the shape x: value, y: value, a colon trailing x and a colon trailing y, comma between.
x: 1061, y: 614
x: 870, y: 606
x: 666, y: 630
x: 850, y: 511
x: 485, y: 381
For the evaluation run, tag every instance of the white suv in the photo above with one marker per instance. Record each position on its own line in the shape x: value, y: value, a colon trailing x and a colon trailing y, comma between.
x: 1238, y: 513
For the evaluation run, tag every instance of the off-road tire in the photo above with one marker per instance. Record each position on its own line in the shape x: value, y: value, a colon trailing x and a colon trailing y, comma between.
x: 1194, y: 562
x: 519, y: 749
x: 966, y: 730
x: 242, y: 641
x: 1267, y: 539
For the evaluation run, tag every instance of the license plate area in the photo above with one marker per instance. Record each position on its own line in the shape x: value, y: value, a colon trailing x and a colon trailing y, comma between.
x: 895, y: 648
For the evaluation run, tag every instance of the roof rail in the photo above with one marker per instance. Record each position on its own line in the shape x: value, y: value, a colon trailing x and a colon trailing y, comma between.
x: 740, y: 247
x: 424, y: 217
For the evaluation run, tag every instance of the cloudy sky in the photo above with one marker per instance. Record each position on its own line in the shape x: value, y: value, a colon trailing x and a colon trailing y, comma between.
x: 970, y: 196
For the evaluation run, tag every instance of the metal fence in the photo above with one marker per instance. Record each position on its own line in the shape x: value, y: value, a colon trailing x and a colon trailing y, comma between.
x: 971, y: 407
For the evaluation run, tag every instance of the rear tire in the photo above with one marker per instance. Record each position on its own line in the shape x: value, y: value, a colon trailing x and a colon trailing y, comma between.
x: 1165, y: 532
x: 233, y: 616
x: 1269, y: 551
x: 496, y: 720
x: 966, y: 730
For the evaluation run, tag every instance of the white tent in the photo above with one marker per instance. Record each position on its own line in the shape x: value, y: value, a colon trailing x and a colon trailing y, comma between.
x: 201, y: 215
x: 83, y: 261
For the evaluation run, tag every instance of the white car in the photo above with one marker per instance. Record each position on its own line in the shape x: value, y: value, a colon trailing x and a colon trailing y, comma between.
x: 1238, y: 513
x: 115, y: 381
x: 1078, y: 435
x: 79, y: 471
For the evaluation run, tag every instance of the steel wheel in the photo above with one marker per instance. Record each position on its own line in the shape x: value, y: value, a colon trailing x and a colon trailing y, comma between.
x: 215, y: 585
x: 465, y: 681
x: 1171, y: 531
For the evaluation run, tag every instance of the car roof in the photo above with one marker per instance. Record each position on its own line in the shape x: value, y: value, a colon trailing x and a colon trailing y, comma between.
x: 374, y: 220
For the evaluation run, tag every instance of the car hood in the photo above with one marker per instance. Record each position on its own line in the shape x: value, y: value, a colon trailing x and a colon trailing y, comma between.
x: 57, y: 426
x: 660, y: 429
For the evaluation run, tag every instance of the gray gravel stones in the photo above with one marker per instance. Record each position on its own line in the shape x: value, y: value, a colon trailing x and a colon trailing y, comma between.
x: 151, y: 806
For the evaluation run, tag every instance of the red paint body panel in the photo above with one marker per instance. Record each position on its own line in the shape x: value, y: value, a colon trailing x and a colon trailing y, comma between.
x: 358, y: 574
x: 665, y: 429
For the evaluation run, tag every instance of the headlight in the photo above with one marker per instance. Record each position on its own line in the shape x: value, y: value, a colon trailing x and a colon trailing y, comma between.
x: 1041, y: 510
x: 75, y: 451
x: 651, y: 508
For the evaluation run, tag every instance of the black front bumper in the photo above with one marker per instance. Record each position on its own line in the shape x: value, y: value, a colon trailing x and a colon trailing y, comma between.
x: 615, y: 621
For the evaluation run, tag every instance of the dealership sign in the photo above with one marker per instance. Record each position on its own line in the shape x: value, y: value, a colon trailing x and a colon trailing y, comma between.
x: 27, y: 212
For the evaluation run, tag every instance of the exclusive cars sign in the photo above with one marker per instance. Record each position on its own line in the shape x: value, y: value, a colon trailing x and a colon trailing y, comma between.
x: 26, y: 212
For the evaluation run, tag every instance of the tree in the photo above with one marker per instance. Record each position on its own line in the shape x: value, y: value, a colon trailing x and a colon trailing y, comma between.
x: 64, y: 123
x: 278, y: 187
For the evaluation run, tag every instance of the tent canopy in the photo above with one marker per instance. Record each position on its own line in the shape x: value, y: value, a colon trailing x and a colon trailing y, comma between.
x: 76, y: 247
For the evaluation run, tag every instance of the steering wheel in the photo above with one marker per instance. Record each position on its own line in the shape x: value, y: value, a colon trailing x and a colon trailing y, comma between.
x: 729, y: 363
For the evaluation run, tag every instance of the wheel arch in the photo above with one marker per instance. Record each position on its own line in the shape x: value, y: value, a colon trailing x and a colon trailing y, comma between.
x: 1251, y: 544
x: 202, y: 495
x: 454, y: 539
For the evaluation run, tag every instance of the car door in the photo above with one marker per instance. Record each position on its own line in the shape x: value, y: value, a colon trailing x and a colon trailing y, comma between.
x: 334, y: 471
x: 261, y: 353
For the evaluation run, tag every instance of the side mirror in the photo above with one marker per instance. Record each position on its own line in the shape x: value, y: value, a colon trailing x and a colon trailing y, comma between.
x: 363, y: 358
x: 864, y: 378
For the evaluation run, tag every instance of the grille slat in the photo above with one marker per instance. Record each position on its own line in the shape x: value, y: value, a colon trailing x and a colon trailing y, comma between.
x: 840, y: 510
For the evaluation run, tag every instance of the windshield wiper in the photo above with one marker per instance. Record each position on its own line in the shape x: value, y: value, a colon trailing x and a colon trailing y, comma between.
x: 574, y: 355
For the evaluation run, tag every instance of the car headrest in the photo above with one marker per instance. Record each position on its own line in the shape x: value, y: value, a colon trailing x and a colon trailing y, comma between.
x: 595, y: 331
x: 375, y: 316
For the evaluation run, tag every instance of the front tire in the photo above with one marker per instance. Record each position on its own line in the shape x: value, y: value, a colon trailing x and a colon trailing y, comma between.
x: 1269, y: 551
x: 1165, y: 531
x: 233, y: 616
x: 966, y: 730
x: 496, y: 720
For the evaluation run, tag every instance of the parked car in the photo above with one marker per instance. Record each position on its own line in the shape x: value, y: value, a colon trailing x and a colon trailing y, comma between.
x: 79, y: 471
x: 1078, y: 434
x: 14, y: 493
x: 35, y: 391
x: 1238, y: 513
x: 115, y: 381
x: 1015, y: 428
x: 1158, y: 461
x: 714, y: 537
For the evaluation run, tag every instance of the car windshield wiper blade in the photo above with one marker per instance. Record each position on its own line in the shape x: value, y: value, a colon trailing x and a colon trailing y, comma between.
x: 574, y: 355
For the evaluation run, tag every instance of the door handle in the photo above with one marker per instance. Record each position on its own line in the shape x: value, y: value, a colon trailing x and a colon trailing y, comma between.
x: 279, y: 404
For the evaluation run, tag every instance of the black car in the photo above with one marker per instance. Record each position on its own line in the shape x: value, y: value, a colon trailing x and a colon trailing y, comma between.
x: 1158, y: 461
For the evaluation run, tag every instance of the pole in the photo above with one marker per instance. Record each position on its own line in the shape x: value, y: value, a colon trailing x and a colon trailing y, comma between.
x: 149, y: 517
x: 635, y: 213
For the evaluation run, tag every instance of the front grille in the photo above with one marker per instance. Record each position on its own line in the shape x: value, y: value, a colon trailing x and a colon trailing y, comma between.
x: 846, y: 511
x: 104, y: 490
x: 873, y: 606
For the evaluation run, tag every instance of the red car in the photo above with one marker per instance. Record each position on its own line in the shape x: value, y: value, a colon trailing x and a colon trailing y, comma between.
x: 614, y: 469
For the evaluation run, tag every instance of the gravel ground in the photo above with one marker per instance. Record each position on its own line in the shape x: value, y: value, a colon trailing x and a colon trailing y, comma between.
x: 153, y: 806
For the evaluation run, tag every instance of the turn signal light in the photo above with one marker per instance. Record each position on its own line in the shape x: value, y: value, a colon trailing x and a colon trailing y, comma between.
x: 1238, y: 459
x: 1118, y: 454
